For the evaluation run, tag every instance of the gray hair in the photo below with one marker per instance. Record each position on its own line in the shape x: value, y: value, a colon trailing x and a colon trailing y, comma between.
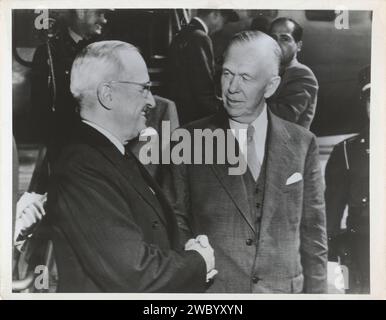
x: 254, y: 36
x: 99, y: 61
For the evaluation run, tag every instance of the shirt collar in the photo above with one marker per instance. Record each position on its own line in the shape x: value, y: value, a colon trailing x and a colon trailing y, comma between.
x: 76, y: 37
x: 260, y: 123
x: 113, y: 139
x: 203, y: 24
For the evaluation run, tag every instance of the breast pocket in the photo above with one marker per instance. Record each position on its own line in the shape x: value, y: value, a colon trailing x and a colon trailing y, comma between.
x: 293, y: 205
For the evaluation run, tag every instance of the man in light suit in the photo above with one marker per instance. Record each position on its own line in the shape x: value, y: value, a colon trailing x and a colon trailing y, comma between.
x: 267, y: 226
x: 296, y: 98
x: 113, y: 230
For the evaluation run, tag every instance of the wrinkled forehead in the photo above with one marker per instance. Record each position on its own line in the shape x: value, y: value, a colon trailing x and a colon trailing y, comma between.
x: 249, y: 58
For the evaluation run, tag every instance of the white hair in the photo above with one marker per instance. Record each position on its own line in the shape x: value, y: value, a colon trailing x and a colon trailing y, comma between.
x: 98, y: 62
x: 254, y: 37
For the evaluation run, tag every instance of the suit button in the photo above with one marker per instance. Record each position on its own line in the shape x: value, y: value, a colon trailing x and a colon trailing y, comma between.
x: 249, y: 242
x: 255, y: 279
x: 364, y: 200
x: 155, y: 225
x: 258, y: 219
x: 257, y: 205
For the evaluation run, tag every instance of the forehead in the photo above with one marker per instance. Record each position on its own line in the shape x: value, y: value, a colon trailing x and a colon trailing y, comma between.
x: 246, y: 58
x: 283, y: 27
x: 134, y: 67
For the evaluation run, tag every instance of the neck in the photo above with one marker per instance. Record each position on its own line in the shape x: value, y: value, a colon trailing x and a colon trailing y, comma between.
x: 292, y: 62
x: 77, y: 28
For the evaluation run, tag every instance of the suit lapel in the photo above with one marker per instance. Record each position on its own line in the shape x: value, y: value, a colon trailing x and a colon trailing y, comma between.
x: 233, y: 184
x: 279, y: 157
x: 126, y: 165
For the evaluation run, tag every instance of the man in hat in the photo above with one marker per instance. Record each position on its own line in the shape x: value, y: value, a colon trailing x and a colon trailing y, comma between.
x: 347, y: 184
x: 191, y: 65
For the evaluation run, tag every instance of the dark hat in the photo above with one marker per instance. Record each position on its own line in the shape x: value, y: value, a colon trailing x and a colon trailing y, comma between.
x: 364, y: 78
x: 230, y: 15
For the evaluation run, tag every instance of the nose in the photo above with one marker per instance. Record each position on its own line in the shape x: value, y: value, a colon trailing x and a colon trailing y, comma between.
x: 150, y: 100
x: 234, y: 85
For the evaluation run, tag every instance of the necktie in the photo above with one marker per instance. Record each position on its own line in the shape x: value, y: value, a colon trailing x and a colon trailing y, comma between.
x: 254, y: 164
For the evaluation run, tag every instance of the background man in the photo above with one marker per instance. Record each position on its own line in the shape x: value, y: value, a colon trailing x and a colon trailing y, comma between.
x: 267, y: 226
x: 295, y: 99
x: 347, y: 183
x: 53, y: 107
x: 191, y: 65
x: 113, y: 230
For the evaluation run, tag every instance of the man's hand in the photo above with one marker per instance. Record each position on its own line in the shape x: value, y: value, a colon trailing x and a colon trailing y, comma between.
x: 202, y: 246
x: 29, y: 211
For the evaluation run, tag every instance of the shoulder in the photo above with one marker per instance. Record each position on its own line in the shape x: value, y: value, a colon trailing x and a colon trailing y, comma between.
x: 296, y: 132
x: 299, y: 70
x: 79, y: 158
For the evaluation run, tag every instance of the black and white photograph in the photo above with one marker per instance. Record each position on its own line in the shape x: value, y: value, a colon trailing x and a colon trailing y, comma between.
x: 193, y: 150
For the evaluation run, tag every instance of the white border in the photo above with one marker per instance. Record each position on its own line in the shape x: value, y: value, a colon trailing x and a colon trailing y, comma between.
x: 377, y: 157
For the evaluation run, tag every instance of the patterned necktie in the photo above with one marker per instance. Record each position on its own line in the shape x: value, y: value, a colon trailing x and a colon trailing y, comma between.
x: 254, y: 164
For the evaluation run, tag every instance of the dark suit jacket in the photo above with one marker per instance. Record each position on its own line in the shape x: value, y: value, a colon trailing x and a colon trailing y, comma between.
x: 295, y: 99
x: 292, y: 243
x: 110, y: 232
x: 191, y: 73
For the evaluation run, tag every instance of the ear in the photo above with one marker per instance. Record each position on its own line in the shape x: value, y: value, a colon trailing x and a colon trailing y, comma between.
x: 271, y: 86
x: 299, y: 45
x: 105, y: 97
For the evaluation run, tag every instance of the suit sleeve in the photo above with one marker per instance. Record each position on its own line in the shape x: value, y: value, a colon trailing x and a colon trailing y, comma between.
x: 336, y: 195
x: 176, y: 188
x: 100, y: 225
x: 295, y: 96
x: 313, y: 241
x: 336, y: 190
x: 201, y: 73
x: 41, y: 100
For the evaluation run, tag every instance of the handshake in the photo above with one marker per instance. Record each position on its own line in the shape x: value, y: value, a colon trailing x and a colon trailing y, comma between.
x: 202, y: 246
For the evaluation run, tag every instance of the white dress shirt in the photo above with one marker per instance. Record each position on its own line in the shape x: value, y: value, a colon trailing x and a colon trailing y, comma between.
x: 261, y: 125
x: 113, y: 139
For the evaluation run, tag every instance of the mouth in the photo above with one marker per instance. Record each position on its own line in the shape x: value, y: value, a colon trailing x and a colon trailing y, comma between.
x: 233, y: 101
x: 145, y: 112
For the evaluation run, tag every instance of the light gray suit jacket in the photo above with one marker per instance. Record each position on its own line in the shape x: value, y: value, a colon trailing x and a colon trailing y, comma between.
x: 289, y: 253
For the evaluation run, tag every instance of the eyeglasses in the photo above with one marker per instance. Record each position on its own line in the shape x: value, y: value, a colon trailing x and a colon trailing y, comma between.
x: 146, y: 87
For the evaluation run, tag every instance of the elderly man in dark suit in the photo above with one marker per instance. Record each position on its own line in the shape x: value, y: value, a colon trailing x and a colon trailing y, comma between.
x: 191, y: 65
x: 113, y: 230
x: 296, y: 98
x: 267, y: 226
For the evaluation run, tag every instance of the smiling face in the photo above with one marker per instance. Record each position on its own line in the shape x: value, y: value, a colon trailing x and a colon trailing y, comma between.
x: 282, y: 33
x: 247, y: 79
x: 131, y: 101
x: 91, y: 21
